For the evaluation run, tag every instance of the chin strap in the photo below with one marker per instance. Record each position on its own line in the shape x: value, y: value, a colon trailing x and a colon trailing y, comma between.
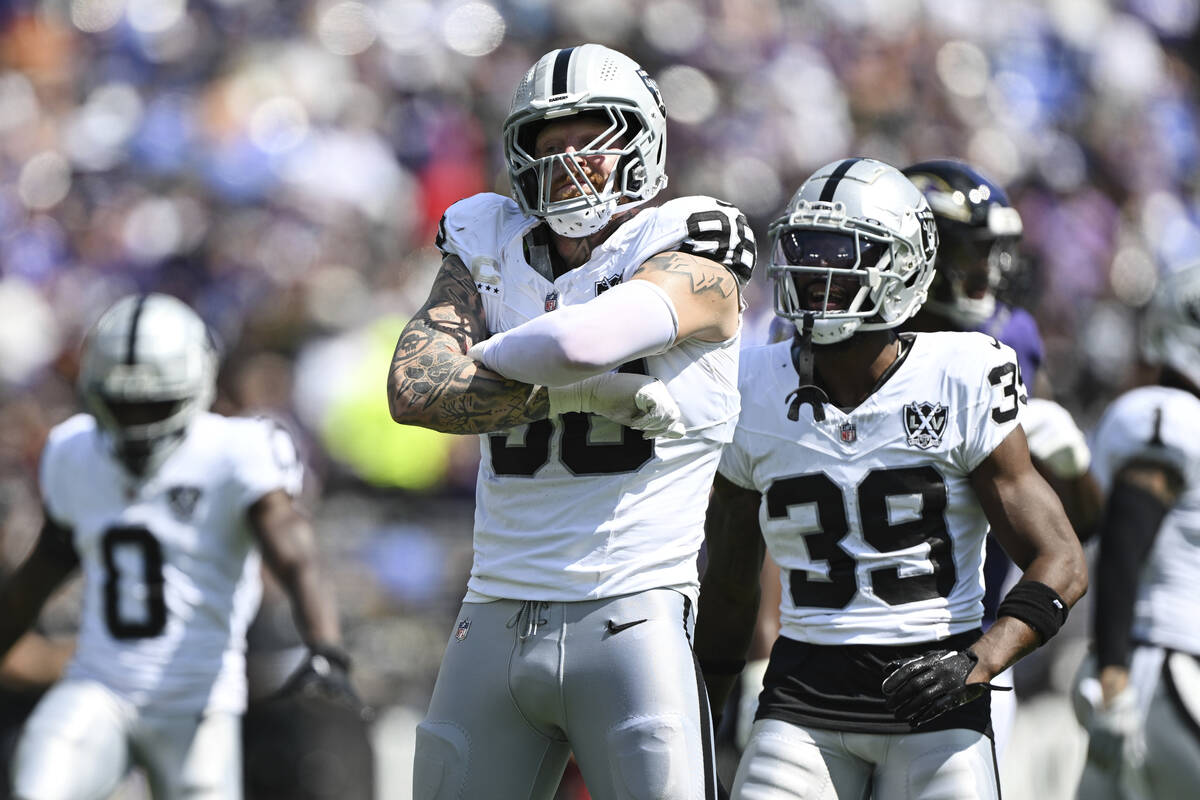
x: 802, y: 360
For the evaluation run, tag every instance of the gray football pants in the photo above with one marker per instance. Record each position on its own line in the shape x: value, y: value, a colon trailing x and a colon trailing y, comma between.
x: 524, y: 684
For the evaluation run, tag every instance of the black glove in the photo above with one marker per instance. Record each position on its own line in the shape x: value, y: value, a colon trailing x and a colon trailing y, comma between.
x: 325, y: 675
x: 925, y: 687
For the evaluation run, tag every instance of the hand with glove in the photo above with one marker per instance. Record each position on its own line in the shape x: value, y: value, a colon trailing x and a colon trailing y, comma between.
x: 1114, y: 735
x: 635, y: 401
x: 325, y: 675
x: 920, y: 689
x: 1054, y: 438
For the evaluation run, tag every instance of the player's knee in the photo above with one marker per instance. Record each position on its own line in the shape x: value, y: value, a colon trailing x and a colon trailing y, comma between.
x: 440, y: 761
x: 955, y: 772
x: 650, y: 758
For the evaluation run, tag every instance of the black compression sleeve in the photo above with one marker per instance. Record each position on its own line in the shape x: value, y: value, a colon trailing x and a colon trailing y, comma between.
x: 58, y: 543
x: 1127, y: 531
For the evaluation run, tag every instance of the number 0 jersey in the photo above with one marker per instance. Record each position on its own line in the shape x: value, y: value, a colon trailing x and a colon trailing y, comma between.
x: 870, y: 514
x: 1162, y: 425
x: 577, y: 507
x: 170, y: 568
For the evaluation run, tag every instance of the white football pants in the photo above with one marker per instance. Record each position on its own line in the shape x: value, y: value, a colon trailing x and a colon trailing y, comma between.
x: 82, y: 739
x: 787, y: 762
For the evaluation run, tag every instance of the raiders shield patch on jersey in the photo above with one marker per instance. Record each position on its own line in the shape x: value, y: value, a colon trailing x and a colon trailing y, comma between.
x: 604, y: 284
x: 925, y: 423
x: 183, y: 500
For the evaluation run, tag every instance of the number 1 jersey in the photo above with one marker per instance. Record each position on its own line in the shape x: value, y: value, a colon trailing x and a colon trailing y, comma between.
x: 870, y: 514
x: 170, y: 568
x: 578, y: 507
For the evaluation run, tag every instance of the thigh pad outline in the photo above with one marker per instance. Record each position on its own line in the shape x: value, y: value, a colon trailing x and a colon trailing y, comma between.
x: 441, y: 761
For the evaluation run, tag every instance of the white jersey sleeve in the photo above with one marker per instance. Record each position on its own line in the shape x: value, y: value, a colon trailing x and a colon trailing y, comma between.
x: 993, y: 406
x: 54, y: 473
x: 265, y: 459
x: 705, y: 227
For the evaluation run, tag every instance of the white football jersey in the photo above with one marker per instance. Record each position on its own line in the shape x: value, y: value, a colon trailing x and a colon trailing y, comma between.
x: 1160, y: 424
x: 577, y: 507
x: 170, y: 567
x: 870, y: 514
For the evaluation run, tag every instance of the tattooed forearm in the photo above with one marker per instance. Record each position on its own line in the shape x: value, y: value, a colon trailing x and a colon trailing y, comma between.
x: 705, y: 276
x: 433, y: 384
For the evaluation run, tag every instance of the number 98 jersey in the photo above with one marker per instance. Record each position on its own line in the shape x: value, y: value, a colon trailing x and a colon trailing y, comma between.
x: 870, y: 514
x: 170, y: 567
x: 578, y: 507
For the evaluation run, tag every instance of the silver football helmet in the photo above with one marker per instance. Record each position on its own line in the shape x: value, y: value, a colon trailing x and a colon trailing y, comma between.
x: 854, y: 250
x: 594, y: 80
x: 1171, y: 326
x: 148, y: 368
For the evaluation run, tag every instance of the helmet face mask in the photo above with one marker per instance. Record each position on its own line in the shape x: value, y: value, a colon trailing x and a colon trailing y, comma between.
x: 979, y: 232
x: 854, y: 250
x: 595, y: 82
x: 148, y: 368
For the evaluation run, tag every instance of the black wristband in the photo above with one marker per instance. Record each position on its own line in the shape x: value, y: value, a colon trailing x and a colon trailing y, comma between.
x: 1037, y: 605
x: 722, y: 666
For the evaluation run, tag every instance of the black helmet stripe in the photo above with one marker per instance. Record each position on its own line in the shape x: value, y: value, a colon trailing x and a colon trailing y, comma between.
x: 561, y: 62
x: 838, y: 173
x: 131, y: 342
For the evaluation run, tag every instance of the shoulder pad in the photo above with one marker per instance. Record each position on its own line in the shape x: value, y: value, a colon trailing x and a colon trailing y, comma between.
x: 480, y: 222
x: 715, y: 230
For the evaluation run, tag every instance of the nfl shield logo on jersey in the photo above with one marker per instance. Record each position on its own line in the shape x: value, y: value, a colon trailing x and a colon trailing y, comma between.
x: 460, y: 632
x: 849, y: 432
x: 924, y: 423
x: 552, y: 300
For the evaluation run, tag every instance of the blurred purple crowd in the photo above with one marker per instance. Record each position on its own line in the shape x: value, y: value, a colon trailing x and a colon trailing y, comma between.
x: 283, y: 166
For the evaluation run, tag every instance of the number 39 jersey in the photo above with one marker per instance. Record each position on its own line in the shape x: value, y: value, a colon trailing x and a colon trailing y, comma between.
x: 170, y: 568
x: 870, y: 514
x: 1160, y: 425
x: 577, y: 507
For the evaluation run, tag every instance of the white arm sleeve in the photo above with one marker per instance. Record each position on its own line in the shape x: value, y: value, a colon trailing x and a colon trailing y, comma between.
x: 628, y: 321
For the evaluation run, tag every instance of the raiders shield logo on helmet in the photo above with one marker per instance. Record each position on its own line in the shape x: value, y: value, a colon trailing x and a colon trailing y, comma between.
x: 925, y: 423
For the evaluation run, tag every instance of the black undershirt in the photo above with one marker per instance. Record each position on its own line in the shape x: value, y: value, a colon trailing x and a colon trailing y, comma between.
x: 837, y: 687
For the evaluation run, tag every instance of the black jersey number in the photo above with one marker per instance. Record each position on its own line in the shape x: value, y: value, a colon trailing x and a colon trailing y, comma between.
x: 876, y: 494
x: 579, y: 453
x: 714, y: 227
x: 144, y: 550
x: 1008, y: 377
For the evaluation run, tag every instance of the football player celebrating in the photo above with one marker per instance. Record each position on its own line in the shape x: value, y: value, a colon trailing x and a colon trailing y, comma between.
x: 575, y: 630
x: 978, y: 259
x: 872, y: 465
x: 165, y: 508
x: 1142, y: 708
